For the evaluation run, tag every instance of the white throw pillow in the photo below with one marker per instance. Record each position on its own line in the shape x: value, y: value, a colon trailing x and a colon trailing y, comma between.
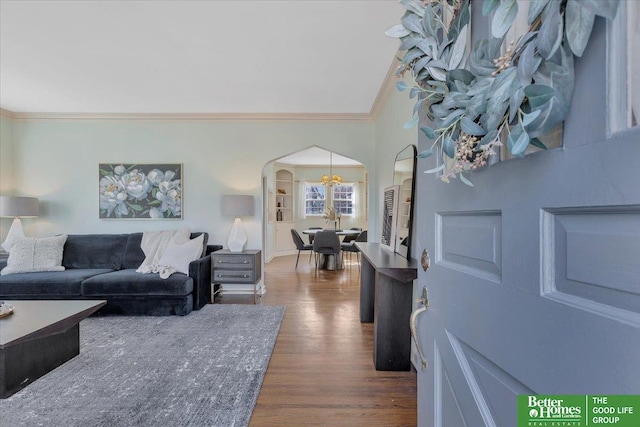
x: 179, y: 255
x: 32, y: 254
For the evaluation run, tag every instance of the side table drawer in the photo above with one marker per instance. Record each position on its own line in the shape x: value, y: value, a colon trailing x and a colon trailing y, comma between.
x: 239, y: 261
x: 233, y: 276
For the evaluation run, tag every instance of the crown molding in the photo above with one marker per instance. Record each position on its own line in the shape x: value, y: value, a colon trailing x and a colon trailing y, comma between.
x: 387, y: 88
x: 223, y: 117
x: 6, y: 113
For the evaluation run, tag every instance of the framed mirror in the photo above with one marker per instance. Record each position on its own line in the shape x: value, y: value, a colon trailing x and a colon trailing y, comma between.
x: 404, y: 178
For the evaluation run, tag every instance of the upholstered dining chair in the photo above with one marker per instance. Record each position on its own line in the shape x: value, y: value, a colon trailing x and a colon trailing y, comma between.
x: 351, y: 246
x: 351, y: 237
x: 312, y: 235
x: 326, y: 243
x: 300, y: 245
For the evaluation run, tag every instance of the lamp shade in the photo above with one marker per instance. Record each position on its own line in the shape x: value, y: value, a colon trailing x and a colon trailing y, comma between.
x: 237, y: 205
x: 18, y: 207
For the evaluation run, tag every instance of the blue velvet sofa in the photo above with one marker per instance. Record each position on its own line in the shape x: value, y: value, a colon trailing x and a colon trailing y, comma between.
x: 103, y: 267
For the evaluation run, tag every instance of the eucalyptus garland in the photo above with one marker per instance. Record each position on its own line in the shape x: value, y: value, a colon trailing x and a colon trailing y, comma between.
x: 475, y: 100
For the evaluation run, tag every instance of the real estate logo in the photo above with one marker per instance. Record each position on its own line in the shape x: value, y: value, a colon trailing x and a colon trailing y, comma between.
x: 555, y: 410
x: 578, y: 410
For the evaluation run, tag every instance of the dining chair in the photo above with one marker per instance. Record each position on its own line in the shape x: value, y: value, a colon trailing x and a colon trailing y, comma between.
x: 351, y: 246
x: 312, y: 235
x: 326, y: 243
x: 300, y: 245
x: 351, y: 237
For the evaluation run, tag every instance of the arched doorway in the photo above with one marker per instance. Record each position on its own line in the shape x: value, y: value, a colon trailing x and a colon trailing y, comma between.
x: 295, y: 197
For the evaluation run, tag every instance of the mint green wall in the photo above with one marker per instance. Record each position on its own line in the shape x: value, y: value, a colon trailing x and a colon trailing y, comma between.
x: 57, y: 161
x: 391, y: 138
x: 6, y: 156
x: 7, y: 184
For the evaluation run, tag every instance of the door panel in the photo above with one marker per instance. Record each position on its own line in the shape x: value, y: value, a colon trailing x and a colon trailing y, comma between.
x: 480, y: 256
x: 535, y: 284
x: 578, y: 242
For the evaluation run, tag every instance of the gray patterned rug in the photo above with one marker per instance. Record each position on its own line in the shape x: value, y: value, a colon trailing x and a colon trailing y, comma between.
x: 204, y: 369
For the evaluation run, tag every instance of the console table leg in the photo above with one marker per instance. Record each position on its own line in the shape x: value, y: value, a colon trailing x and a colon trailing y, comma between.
x: 367, y: 290
x: 391, y: 332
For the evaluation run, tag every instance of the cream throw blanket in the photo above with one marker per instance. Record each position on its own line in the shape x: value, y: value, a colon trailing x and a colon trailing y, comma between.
x: 153, y: 245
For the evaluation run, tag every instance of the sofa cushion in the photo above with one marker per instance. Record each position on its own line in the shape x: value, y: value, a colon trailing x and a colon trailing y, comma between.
x: 94, y: 251
x: 32, y: 254
x: 178, y: 255
x: 47, y: 284
x: 129, y: 283
x: 134, y: 256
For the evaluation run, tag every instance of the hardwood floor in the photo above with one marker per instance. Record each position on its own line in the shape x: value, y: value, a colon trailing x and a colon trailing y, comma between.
x: 321, y: 370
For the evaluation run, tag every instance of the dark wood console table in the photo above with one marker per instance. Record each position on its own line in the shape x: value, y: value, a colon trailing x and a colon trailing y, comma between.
x: 386, y: 293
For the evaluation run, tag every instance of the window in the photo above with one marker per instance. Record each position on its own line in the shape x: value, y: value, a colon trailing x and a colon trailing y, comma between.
x: 343, y: 199
x: 314, y: 199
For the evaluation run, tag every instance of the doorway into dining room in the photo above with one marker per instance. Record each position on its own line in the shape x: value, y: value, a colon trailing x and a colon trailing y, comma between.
x: 310, y: 189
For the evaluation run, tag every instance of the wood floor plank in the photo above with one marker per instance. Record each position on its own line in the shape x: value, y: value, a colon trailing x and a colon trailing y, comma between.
x: 321, y: 371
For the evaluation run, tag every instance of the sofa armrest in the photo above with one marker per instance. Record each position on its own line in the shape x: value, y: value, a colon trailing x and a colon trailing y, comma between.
x: 213, y: 248
x: 200, y: 272
x: 4, y: 258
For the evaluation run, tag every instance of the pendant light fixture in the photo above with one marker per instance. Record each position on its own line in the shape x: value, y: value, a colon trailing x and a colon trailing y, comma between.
x: 331, y: 179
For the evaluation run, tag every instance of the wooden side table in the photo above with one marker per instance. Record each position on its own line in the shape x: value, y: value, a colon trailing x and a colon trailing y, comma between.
x: 243, y: 268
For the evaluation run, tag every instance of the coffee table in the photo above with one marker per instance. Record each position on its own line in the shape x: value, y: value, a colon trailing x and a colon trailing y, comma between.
x: 38, y: 337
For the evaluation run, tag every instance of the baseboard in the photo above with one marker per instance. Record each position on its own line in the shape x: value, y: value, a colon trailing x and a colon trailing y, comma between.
x: 243, y: 289
x: 285, y: 253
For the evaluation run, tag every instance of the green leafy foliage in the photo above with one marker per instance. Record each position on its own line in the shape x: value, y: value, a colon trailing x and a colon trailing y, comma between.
x: 401, y: 85
x: 503, y: 17
x: 473, y: 96
x: 604, y: 8
x: 579, y: 25
x: 424, y: 154
x: 550, y: 32
x: 430, y: 133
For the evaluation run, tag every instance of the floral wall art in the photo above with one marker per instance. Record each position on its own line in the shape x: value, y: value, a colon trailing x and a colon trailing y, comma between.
x: 140, y: 191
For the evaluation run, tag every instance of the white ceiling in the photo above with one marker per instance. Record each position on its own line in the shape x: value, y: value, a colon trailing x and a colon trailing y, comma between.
x: 238, y: 56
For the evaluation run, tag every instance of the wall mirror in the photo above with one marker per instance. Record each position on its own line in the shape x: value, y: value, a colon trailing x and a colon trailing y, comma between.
x: 404, y: 178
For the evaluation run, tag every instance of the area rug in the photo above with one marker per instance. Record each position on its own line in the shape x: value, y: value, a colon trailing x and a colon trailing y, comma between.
x: 203, y: 369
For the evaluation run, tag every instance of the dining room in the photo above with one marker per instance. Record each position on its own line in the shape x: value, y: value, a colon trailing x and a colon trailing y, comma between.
x: 310, y: 190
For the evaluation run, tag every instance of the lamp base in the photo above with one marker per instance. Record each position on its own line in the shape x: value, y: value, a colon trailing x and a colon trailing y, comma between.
x: 237, y: 236
x: 15, y: 233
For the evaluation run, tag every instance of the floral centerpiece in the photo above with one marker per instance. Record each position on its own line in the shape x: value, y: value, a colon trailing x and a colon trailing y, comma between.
x: 331, y: 215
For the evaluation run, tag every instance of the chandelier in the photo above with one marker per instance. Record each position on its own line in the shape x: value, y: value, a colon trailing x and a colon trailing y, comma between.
x: 331, y: 179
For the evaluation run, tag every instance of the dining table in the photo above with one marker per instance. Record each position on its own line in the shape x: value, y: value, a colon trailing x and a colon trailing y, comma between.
x: 332, y: 263
x: 338, y: 232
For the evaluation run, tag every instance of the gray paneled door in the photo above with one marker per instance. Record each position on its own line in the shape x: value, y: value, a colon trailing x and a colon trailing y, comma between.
x: 534, y: 285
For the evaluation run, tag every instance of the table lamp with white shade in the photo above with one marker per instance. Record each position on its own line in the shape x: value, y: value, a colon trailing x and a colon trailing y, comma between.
x: 237, y: 206
x: 16, y: 208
